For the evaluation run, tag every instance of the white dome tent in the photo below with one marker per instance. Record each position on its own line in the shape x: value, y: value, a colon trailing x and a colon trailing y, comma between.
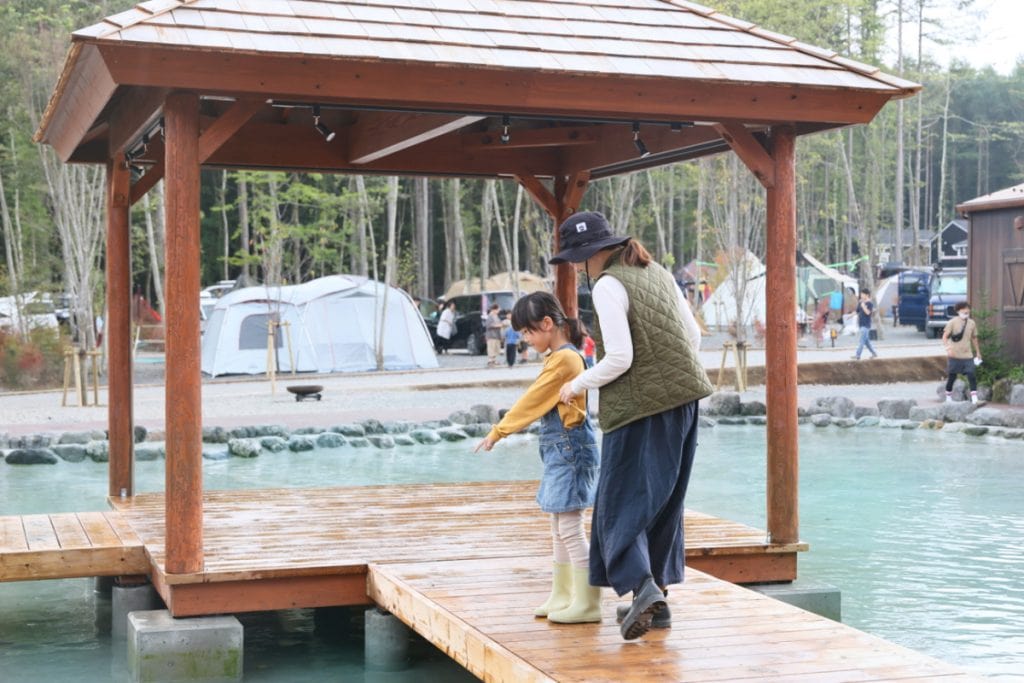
x: 331, y: 322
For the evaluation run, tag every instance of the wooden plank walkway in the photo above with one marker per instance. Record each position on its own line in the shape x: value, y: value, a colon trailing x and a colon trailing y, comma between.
x: 70, y: 545
x: 283, y: 548
x: 480, y: 612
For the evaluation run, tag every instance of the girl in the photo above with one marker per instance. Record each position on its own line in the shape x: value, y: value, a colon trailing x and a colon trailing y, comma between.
x: 568, y: 450
x: 650, y: 379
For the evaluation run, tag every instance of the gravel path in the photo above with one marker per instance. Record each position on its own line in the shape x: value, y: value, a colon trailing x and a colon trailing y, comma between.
x: 460, y: 382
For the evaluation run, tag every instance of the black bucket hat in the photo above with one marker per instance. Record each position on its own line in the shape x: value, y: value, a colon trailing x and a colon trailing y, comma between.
x: 584, y: 234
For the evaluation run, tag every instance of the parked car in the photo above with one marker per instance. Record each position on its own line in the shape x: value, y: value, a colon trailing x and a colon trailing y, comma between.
x: 914, y: 290
x: 948, y: 289
x: 470, y: 314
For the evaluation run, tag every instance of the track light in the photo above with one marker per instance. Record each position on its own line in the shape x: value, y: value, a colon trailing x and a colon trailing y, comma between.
x: 638, y: 143
x: 324, y: 130
x: 505, y: 123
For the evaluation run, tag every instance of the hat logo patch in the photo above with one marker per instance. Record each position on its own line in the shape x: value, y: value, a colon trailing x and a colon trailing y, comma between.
x: 581, y: 227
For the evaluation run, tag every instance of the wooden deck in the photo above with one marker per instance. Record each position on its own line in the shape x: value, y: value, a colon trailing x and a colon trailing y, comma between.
x: 464, y: 565
x: 283, y: 548
x: 72, y: 545
x: 480, y: 613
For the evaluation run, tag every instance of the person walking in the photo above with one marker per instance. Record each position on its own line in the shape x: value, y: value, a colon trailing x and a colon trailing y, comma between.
x: 865, y: 309
x: 958, y: 336
x: 446, y: 327
x: 512, y: 338
x: 650, y: 381
x: 493, y: 335
x: 568, y: 450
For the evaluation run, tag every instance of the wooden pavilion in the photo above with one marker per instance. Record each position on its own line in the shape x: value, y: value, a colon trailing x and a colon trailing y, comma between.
x: 553, y: 93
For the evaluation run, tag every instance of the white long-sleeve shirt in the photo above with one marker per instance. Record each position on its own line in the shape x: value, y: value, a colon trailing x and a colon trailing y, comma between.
x: 611, y: 304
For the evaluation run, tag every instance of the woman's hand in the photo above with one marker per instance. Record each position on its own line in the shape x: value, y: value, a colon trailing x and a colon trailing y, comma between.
x: 566, y: 394
x: 487, y: 444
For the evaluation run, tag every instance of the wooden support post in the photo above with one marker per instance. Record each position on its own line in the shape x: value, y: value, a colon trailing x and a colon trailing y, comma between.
x: 118, y: 328
x: 184, y: 506
x: 780, y: 342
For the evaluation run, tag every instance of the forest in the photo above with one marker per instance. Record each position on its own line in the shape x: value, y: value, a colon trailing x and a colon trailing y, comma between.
x: 867, y: 195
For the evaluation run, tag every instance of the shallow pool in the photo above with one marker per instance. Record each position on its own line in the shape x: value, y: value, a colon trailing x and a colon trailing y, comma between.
x: 923, y: 533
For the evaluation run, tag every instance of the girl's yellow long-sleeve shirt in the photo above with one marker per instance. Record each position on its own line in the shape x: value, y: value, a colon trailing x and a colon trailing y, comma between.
x: 559, y: 367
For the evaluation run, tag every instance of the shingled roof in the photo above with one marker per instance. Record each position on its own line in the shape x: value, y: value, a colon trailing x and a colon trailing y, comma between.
x: 456, y: 67
x: 670, y: 38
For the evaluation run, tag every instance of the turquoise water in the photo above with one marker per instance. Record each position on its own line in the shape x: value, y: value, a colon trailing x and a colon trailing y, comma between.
x: 923, y: 533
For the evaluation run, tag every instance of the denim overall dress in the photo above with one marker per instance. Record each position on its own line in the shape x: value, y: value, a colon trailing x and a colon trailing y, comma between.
x: 570, y: 458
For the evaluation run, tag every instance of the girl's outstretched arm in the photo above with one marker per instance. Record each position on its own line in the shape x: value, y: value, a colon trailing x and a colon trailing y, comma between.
x: 540, y: 398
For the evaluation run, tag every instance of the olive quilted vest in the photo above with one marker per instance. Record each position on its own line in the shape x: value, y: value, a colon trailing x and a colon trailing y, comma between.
x: 666, y: 371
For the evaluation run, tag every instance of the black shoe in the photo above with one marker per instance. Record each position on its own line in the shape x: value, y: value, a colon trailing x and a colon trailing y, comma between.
x: 648, y: 600
x: 662, y: 619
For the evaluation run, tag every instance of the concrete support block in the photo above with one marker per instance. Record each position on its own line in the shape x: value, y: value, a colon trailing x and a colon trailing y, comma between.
x: 386, y: 641
x: 132, y: 598
x: 162, y: 648
x: 103, y: 585
x: 814, y: 596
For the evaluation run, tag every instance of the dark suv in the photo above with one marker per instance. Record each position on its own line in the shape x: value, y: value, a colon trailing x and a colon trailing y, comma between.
x: 470, y: 314
x: 948, y: 289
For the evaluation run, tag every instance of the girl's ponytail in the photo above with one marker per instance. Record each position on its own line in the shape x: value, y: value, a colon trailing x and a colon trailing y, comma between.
x: 634, y: 254
x: 575, y: 331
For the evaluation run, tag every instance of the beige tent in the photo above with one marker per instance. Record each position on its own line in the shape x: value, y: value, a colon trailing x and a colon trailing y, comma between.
x: 501, y: 282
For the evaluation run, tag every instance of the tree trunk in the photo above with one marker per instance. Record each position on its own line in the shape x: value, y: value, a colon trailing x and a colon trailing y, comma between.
x: 941, y: 205
x: 502, y: 236
x: 516, y: 217
x: 224, y: 219
x: 898, y: 212
x: 422, y: 191
x: 390, y: 262
x: 243, y: 225
x: 156, y: 250
x: 460, y: 230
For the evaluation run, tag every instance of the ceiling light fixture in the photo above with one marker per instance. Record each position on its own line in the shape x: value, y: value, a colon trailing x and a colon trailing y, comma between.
x: 638, y: 143
x: 505, y: 123
x: 324, y: 130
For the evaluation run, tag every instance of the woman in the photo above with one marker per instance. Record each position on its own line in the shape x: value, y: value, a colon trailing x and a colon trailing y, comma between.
x: 650, y: 380
x: 446, y: 327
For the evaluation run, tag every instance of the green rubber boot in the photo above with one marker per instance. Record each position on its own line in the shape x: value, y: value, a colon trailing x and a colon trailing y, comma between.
x: 561, y: 591
x: 586, y: 601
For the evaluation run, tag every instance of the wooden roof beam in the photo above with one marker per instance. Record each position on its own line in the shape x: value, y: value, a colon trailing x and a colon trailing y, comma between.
x: 226, y: 125
x: 615, y: 145
x: 134, y: 113
x: 750, y: 151
x: 153, y: 175
x: 557, y: 136
x: 378, y: 135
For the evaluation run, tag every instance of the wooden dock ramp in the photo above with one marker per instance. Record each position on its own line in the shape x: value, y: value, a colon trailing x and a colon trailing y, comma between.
x: 69, y: 545
x: 480, y: 612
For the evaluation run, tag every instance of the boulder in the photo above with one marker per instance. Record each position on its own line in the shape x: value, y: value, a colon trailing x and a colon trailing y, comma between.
x: 272, y: 430
x: 31, y: 441
x: 75, y: 438
x: 864, y: 411
x: 988, y: 416
x: 984, y: 392
x: 1014, y: 419
x: 462, y: 417
x: 349, y: 430
x: 330, y: 440
x: 139, y: 433
x: 706, y: 422
x: 70, y: 452
x: 886, y: 423
x: 910, y: 425
x: 399, y: 427
x: 1013, y: 434
x: 961, y: 391
x: 480, y: 429
x: 404, y: 440
x: 868, y: 421
x: 452, y: 434
x: 98, y: 451
x: 358, y: 442
x: 724, y: 403
x: 149, y: 451
x: 759, y: 420
x: 821, y: 419
x: 753, y: 408
x: 248, y: 447
x: 306, y: 431
x: 299, y: 443
x: 844, y: 422
x: 5, y: 439
x: 216, y: 454
x: 732, y: 420
x: 215, y: 435
x: 896, y: 409
x: 836, y: 406
x: 919, y: 413
x: 32, y: 456
x: 241, y: 433
x: 975, y: 430
x: 381, y: 440
x: 435, y: 424
x: 373, y: 426
x: 1017, y: 395
x: 274, y: 444
x: 484, y: 413
x: 427, y: 436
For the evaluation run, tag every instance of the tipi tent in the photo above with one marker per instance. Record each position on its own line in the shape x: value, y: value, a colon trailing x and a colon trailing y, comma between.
x: 720, y: 308
x: 332, y: 323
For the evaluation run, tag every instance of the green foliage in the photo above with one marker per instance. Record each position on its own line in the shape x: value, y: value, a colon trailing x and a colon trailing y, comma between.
x: 997, y: 368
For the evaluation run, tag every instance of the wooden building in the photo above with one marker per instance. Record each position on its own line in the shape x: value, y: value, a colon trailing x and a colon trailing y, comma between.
x: 552, y: 93
x: 996, y: 265
x: 948, y: 247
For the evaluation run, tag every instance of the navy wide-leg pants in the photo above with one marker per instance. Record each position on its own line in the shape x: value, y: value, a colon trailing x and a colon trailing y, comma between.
x: 637, y: 528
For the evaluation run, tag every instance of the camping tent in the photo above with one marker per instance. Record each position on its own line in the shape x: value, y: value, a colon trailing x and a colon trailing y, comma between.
x: 720, y: 308
x: 816, y: 281
x: 887, y: 295
x: 331, y: 324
